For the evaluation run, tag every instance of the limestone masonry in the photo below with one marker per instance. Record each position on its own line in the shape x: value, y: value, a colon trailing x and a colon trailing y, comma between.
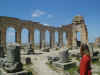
x: 78, y: 25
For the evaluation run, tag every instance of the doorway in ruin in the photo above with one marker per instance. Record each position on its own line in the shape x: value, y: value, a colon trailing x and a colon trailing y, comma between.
x: 10, y: 35
x: 37, y: 38
x: 56, y: 39
x: 64, y: 39
x: 78, y: 39
x: 47, y: 39
x: 25, y: 36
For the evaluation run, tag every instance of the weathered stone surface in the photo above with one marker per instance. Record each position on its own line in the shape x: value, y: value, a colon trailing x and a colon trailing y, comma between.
x: 1, y: 52
x: 63, y: 56
x: 78, y: 25
x: 46, y: 49
x: 28, y: 61
x: 13, y: 63
x: 3, y: 72
x: 97, y: 42
x: 53, y: 59
x: 64, y: 66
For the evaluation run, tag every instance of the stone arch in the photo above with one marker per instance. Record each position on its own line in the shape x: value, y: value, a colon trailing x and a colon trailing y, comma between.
x: 56, y: 38
x: 78, y: 23
x: 47, y: 38
x: 10, y: 35
x: 37, y: 38
x: 78, y: 38
x: 24, y: 35
x: 65, y: 38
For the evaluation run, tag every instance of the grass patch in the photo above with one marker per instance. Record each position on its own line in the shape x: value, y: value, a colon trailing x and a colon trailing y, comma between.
x: 29, y: 69
x: 57, y: 49
x: 72, y: 70
x: 96, y: 62
x: 51, y: 66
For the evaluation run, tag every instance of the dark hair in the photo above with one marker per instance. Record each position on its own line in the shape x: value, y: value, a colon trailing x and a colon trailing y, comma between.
x: 85, y: 48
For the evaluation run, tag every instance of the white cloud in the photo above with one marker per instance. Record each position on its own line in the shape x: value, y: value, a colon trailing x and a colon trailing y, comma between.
x: 46, y: 24
x: 38, y: 13
x: 50, y: 16
x: 60, y: 25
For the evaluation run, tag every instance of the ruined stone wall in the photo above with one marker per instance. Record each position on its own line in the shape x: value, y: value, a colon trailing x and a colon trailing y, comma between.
x: 18, y: 25
x: 97, y: 42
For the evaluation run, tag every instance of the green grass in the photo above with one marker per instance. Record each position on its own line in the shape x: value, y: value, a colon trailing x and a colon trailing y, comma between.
x: 96, y: 62
x: 57, y: 49
x: 51, y: 66
x: 72, y: 70
x: 29, y: 69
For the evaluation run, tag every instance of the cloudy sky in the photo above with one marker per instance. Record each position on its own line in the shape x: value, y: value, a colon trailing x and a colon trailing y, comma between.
x: 55, y: 12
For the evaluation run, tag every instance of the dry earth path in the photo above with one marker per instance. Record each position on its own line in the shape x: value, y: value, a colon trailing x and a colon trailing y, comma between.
x: 40, y: 66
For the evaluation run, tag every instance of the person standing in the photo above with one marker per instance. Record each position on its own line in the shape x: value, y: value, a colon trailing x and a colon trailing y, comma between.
x: 85, y: 62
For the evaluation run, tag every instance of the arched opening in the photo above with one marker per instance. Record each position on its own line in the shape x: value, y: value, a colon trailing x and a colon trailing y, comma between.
x: 56, y: 39
x: 64, y: 39
x: 37, y: 38
x: 24, y: 36
x: 47, y: 37
x: 78, y: 39
x: 10, y: 35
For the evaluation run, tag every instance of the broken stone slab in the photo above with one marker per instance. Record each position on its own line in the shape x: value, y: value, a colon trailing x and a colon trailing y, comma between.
x: 13, y: 63
x: 63, y: 56
x: 2, y: 62
x: 3, y: 72
x: 30, y: 51
x: 46, y: 49
x: 64, y: 65
x: 53, y: 58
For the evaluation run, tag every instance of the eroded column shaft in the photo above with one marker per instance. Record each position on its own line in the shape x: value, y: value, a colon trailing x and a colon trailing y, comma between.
x: 84, y: 34
x: 60, y: 39
x: 74, y: 43
x: 31, y: 37
x: 18, y: 36
x: 42, y: 39
x: 69, y: 39
x: 52, y: 39
x: 3, y: 37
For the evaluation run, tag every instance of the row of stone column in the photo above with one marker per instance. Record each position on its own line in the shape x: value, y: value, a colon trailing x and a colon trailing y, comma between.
x: 52, y: 39
x: 31, y: 38
x: 71, y: 38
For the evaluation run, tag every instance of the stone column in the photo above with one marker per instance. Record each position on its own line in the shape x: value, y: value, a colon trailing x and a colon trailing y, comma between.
x: 42, y: 39
x: 0, y: 37
x: 13, y: 63
x: 69, y: 39
x: 31, y: 37
x: 18, y: 36
x: 74, y: 43
x: 84, y: 34
x: 3, y: 37
x: 52, y: 39
x: 1, y: 52
x: 60, y: 39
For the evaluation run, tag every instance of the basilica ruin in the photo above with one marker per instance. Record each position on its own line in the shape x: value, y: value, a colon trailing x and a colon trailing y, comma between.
x: 19, y: 59
x: 78, y: 25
